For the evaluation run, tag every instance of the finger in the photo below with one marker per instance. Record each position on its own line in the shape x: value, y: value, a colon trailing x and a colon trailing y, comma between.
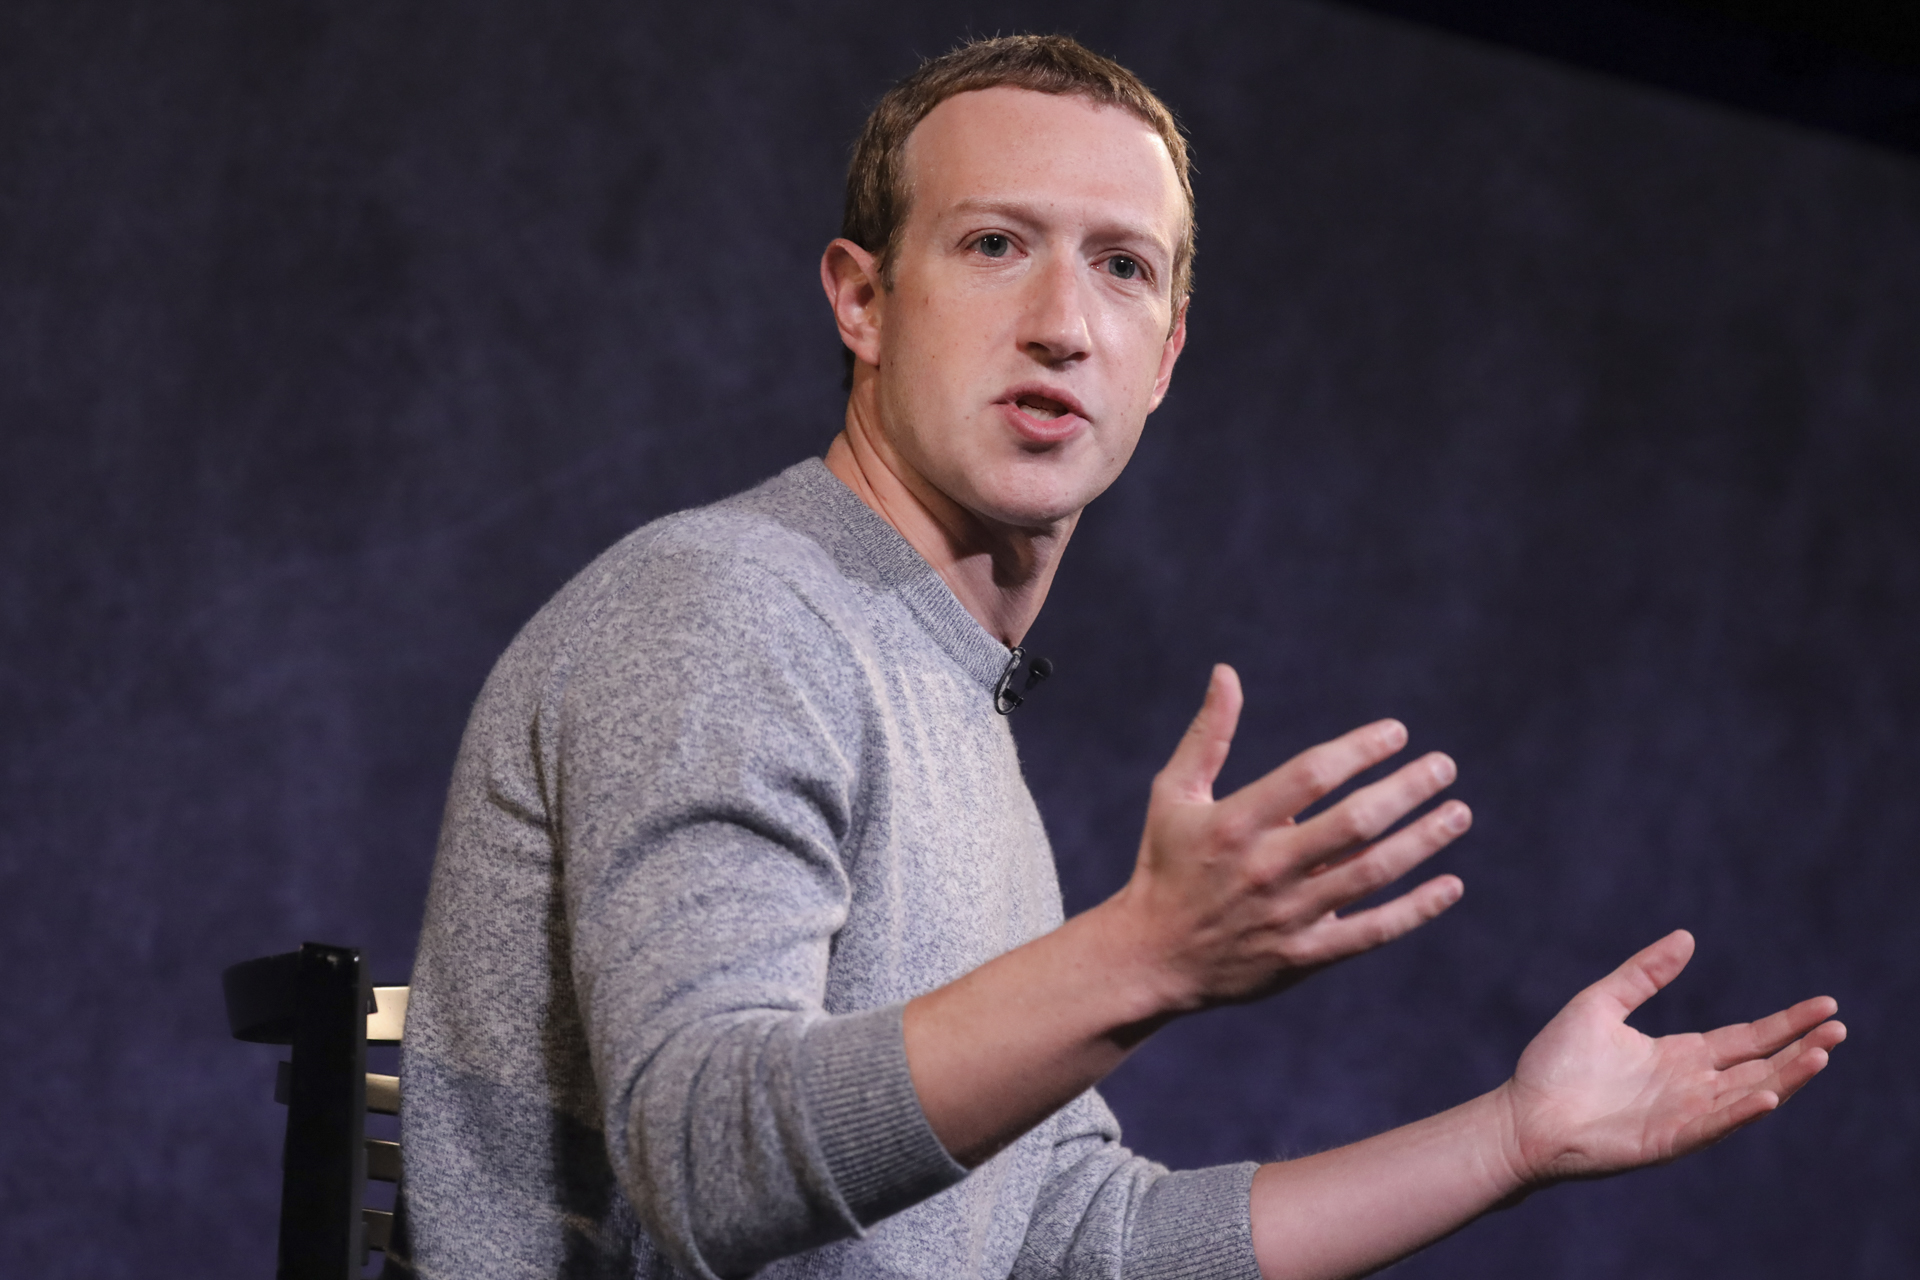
x: 1747, y: 1040
x: 1644, y: 973
x: 1806, y: 1062
x: 1362, y: 816
x: 1805, y: 1058
x: 1345, y: 882
x: 1827, y: 1035
x: 1338, y: 937
x: 1197, y: 761
x: 1709, y: 1129
x: 1318, y: 770
x: 1787, y: 1070
x: 1757, y: 1087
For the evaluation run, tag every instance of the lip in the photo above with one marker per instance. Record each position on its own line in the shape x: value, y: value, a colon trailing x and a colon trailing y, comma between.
x: 1044, y: 430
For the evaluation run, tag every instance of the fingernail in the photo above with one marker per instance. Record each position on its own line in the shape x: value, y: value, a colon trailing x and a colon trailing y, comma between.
x: 1443, y: 768
x: 1456, y: 817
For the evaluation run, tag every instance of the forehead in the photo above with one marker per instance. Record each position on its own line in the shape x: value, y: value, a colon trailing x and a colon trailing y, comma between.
x: 1057, y: 150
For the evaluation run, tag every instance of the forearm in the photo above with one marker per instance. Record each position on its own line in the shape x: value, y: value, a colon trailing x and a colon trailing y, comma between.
x: 1000, y: 1049
x: 997, y: 1051
x: 1355, y: 1209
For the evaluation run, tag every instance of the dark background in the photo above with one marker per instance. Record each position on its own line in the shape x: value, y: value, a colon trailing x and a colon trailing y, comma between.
x: 1568, y: 417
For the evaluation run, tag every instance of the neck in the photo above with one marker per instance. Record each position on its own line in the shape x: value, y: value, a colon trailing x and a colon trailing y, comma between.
x: 999, y: 573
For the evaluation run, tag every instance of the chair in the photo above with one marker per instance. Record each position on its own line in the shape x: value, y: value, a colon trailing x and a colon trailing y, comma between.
x: 319, y: 1001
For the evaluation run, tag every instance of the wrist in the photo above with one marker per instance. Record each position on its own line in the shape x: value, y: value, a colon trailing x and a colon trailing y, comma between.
x: 1149, y: 986
x: 1508, y: 1155
x: 1129, y: 973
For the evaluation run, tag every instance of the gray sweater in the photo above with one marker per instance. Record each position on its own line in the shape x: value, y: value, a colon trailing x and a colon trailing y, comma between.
x: 732, y: 798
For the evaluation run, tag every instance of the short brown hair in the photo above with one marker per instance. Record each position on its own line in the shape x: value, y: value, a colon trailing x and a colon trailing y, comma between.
x: 877, y: 195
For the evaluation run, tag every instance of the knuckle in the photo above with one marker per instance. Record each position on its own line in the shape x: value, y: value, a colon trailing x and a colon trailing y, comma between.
x: 1258, y: 877
x: 1295, y: 952
x: 1351, y: 823
x: 1317, y: 773
x: 1425, y: 840
x: 1451, y: 819
x: 1376, y: 929
x: 1370, y: 872
x: 1232, y: 828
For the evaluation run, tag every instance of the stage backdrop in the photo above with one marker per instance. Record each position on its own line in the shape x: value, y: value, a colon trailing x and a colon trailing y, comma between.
x: 1571, y: 422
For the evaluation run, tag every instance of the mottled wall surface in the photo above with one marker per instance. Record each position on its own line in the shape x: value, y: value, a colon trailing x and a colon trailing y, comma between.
x: 1570, y: 422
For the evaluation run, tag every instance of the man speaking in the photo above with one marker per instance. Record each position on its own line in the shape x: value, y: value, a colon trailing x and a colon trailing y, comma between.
x: 744, y: 950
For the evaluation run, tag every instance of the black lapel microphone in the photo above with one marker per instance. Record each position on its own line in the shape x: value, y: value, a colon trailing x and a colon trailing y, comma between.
x: 1004, y: 697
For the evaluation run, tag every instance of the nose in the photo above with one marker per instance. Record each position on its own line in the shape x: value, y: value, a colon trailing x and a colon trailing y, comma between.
x: 1053, y: 324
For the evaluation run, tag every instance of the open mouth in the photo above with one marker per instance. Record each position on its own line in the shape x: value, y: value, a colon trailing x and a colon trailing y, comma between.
x: 1042, y: 408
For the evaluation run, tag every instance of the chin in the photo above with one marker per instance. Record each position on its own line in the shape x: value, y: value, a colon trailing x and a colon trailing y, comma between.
x: 1034, y: 498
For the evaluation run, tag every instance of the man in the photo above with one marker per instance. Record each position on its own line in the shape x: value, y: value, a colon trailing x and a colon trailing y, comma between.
x: 744, y: 951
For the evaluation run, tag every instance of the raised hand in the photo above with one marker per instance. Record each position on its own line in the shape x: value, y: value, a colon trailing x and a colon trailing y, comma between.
x: 1592, y: 1096
x: 1229, y: 900
x: 1239, y: 900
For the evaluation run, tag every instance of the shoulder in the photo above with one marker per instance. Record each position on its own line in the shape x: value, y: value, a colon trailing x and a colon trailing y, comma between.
x: 731, y: 571
x: 767, y: 579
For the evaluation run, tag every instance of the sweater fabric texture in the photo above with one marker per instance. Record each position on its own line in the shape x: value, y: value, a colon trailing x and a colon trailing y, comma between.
x: 734, y: 796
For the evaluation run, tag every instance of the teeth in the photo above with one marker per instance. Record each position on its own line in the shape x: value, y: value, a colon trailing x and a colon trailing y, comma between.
x: 1041, y: 408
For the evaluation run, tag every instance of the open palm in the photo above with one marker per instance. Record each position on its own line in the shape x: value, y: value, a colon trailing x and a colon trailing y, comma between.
x: 1592, y: 1096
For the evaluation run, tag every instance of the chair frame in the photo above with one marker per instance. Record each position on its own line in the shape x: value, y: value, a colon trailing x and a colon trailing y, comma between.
x: 319, y: 1001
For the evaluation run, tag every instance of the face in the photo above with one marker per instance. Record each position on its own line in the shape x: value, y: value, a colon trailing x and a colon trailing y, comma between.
x: 1030, y: 327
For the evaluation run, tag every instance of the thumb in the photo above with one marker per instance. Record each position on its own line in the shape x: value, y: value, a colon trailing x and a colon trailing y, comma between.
x: 1203, y: 748
x: 1646, y: 972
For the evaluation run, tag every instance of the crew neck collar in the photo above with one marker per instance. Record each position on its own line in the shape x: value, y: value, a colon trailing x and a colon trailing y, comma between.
x: 906, y: 572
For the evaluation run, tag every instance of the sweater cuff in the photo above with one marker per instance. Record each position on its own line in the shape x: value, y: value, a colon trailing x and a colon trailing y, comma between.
x: 1196, y: 1224
x: 859, y: 1099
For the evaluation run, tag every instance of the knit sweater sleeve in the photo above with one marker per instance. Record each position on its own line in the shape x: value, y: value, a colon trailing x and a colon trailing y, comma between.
x: 1105, y: 1212
x: 705, y: 752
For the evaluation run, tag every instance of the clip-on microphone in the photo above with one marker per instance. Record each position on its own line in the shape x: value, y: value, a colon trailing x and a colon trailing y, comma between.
x: 1004, y: 697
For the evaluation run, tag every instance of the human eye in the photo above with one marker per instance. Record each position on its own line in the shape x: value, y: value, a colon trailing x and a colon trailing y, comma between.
x: 1124, y: 267
x: 993, y: 245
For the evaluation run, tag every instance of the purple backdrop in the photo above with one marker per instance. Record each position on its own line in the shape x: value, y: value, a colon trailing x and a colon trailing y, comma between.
x: 1572, y: 422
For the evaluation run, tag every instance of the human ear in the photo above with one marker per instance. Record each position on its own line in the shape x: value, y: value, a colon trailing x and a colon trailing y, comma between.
x: 851, y: 278
x: 1169, y: 352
